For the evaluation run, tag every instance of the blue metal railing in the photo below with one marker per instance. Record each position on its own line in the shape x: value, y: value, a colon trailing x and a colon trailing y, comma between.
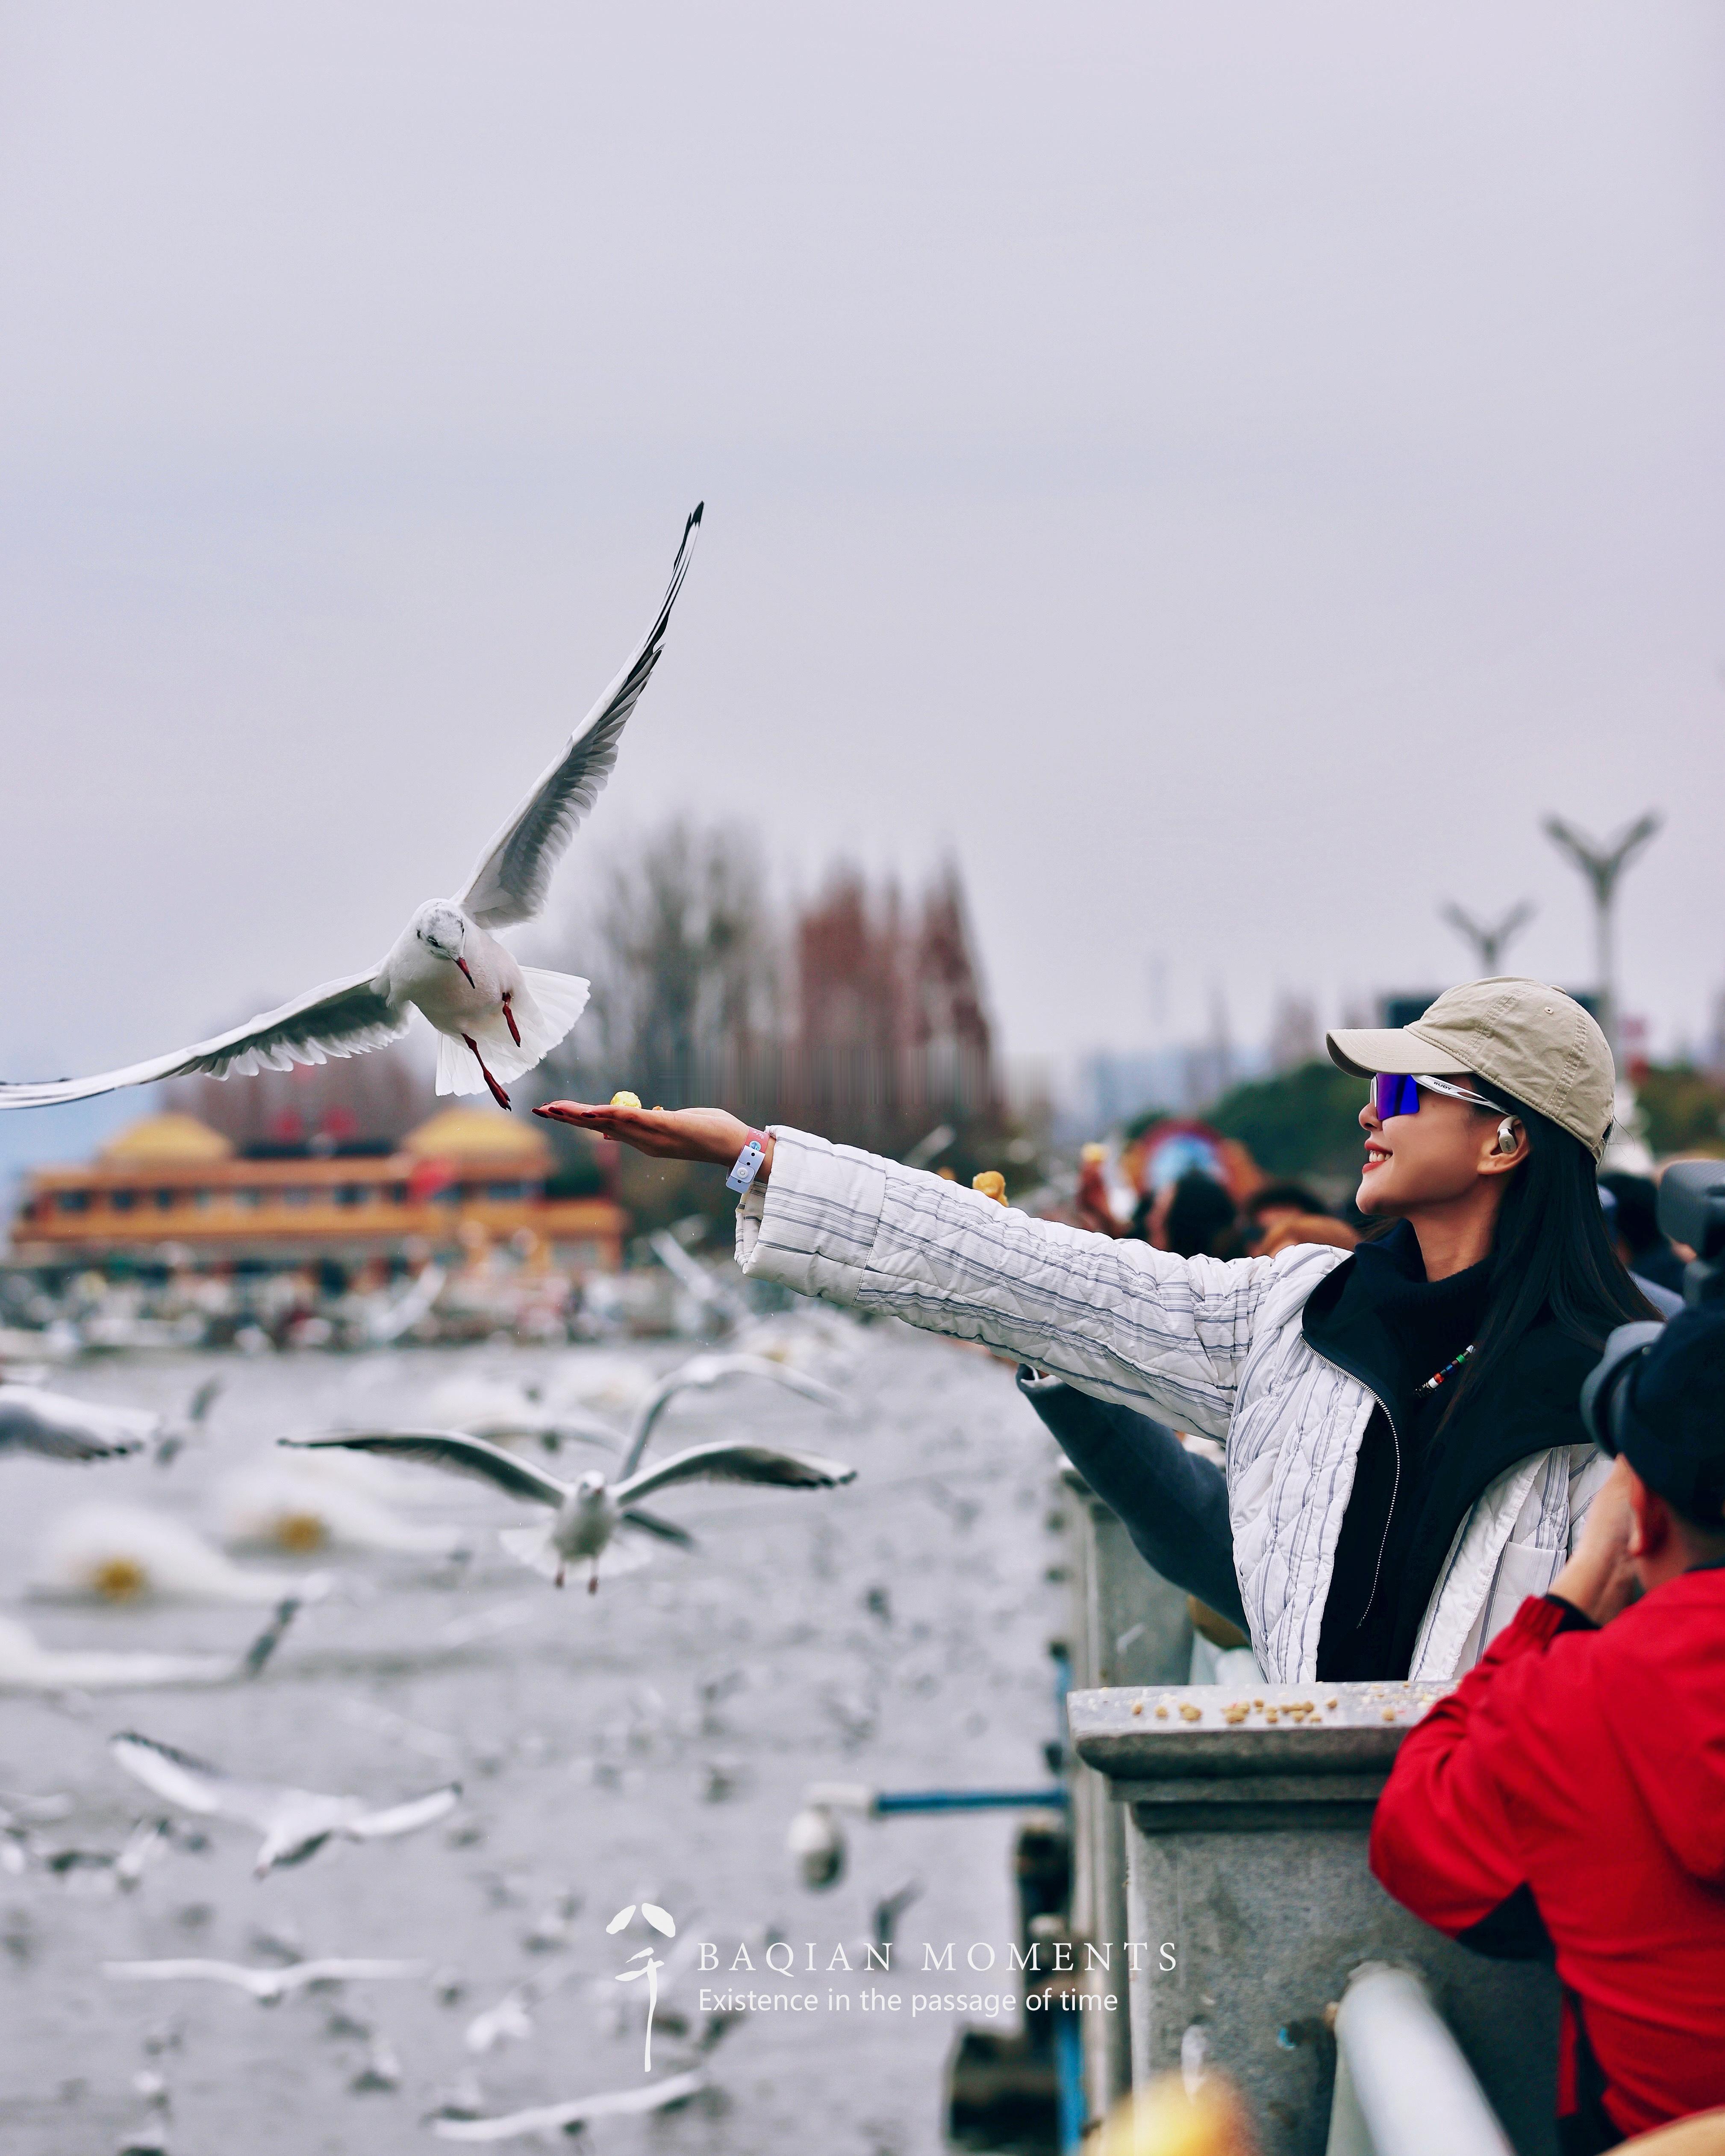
x: 967, y: 1800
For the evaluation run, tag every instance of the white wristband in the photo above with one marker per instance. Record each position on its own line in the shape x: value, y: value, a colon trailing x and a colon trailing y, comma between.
x: 748, y: 1163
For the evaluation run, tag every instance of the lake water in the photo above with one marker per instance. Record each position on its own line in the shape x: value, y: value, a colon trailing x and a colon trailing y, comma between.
x: 651, y: 1742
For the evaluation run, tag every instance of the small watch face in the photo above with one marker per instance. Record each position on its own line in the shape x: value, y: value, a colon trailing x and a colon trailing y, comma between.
x: 749, y: 1162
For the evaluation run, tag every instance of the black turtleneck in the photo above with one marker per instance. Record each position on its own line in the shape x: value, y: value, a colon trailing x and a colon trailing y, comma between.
x: 1395, y: 1329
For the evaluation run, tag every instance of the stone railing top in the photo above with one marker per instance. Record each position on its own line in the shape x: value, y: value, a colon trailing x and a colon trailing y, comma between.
x: 1180, y: 1732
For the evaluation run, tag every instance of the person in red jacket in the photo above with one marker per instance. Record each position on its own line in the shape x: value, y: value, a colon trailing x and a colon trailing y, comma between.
x: 1569, y: 1797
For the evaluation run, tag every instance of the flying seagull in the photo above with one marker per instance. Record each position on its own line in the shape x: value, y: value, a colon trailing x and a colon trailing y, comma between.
x: 701, y: 1374
x: 179, y: 1433
x: 554, y: 1428
x: 510, y: 2020
x: 27, y: 1665
x: 268, y: 1986
x: 588, y: 1512
x: 494, y: 1019
x: 31, y: 1421
x: 295, y: 1823
x: 551, y: 2117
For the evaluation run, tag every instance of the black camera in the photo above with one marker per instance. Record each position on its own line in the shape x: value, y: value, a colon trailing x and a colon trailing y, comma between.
x: 1691, y: 1210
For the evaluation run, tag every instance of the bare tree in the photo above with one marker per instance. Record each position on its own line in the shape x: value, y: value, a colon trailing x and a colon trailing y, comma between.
x: 684, y: 957
x: 866, y: 1022
x: 893, y: 1036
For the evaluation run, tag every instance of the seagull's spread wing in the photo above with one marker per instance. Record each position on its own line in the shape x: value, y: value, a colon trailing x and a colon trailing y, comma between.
x: 737, y: 1463
x: 707, y: 1287
x: 647, y: 1414
x: 342, y: 1018
x: 60, y: 1429
x: 651, y: 2096
x: 713, y: 1368
x: 212, y: 1972
x: 192, y: 1783
x: 667, y: 1531
x: 697, y: 1375
x: 404, y: 1819
x: 203, y: 1399
x: 41, y: 1669
x: 568, y: 1426
x: 514, y: 874
x: 454, y: 1452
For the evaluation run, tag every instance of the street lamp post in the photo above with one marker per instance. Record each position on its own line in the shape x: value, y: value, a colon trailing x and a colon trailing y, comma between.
x: 1602, y: 866
x: 1489, y: 944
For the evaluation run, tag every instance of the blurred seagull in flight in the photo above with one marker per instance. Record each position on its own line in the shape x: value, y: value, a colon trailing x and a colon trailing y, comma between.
x: 505, y: 1415
x: 48, y: 1424
x: 27, y: 1665
x: 268, y: 1986
x: 494, y: 1018
x: 295, y: 1823
x: 701, y: 1374
x: 562, y: 2118
x: 588, y: 1513
x: 510, y: 2020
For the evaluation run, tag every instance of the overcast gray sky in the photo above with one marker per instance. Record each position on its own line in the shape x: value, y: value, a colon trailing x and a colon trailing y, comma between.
x: 1225, y: 472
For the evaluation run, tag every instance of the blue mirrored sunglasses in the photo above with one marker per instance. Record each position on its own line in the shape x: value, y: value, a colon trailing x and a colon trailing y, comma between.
x: 1395, y: 1094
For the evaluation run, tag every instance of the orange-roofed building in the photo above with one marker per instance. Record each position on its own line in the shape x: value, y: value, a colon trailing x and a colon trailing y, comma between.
x: 464, y: 1177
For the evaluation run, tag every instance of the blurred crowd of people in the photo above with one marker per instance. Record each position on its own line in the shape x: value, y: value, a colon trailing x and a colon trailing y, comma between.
x: 1195, y: 1215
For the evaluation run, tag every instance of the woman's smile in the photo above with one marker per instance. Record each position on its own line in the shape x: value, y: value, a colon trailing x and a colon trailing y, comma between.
x: 1376, y: 1155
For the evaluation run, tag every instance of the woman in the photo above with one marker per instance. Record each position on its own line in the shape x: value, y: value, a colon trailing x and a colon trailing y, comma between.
x: 1406, y: 1459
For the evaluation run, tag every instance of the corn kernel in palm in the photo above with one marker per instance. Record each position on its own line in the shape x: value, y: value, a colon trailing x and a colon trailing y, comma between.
x: 625, y: 1100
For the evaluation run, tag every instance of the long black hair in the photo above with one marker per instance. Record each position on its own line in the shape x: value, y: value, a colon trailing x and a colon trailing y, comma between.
x: 1551, y: 1255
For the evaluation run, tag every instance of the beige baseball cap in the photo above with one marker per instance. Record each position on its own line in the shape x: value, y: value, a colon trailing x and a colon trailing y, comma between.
x: 1534, y: 1041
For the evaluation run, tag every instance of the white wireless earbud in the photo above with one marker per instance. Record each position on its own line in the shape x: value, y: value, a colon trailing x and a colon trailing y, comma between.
x: 1506, y: 1136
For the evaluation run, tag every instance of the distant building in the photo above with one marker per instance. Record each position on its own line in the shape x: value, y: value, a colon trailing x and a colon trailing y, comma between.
x: 172, y: 1190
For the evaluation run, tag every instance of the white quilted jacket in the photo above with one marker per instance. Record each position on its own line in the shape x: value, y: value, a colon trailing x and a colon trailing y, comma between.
x: 1211, y: 1346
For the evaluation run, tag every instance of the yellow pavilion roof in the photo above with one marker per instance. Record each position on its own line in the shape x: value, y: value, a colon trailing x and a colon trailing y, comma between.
x: 482, y: 1135
x: 180, y: 1139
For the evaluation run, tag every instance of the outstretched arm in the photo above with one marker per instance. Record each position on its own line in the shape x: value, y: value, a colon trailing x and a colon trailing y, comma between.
x: 711, y: 1135
x: 1116, y: 1319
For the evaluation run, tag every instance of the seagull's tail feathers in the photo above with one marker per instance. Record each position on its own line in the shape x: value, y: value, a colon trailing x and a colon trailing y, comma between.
x: 457, y: 1072
x: 532, y: 1546
x: 544, y: 1006
x: 624, y: 1552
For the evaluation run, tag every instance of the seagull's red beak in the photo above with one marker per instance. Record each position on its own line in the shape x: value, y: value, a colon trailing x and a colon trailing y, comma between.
x: 462, y: 963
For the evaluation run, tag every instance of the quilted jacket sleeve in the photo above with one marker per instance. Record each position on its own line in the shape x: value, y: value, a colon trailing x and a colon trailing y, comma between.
x: 1116, y: 1319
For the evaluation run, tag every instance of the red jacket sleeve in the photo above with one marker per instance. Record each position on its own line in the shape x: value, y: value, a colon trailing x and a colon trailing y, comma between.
x: 1441, y: 1840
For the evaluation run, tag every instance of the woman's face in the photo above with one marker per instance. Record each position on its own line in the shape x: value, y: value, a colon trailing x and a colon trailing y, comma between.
x: 1429, y: 1158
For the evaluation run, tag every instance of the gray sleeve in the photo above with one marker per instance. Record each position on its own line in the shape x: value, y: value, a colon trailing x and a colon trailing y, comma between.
x: 1173, y: 1503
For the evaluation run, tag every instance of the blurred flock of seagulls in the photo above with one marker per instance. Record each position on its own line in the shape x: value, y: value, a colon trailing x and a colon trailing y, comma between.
x: 292, y: 1545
